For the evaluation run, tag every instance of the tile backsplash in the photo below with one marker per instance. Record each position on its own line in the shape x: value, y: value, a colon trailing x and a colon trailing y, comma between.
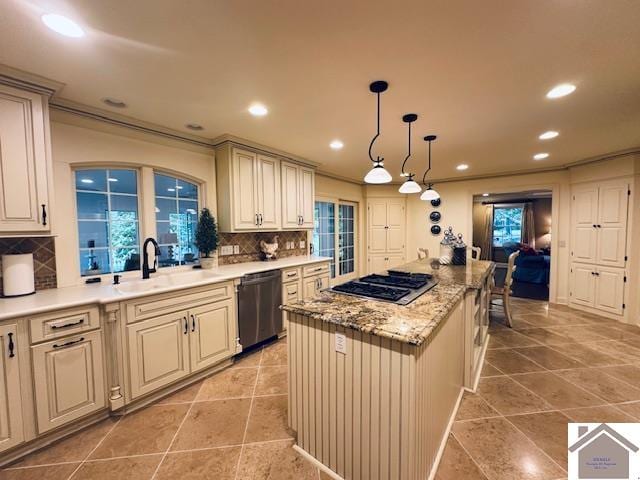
x: 249, y: 245
x: 44, y: 258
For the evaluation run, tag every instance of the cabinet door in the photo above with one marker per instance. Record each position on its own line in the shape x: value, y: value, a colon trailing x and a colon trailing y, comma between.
x: 23, y: 161
x: 68, y: 378
x: 324, y: 282
x: 290, y: 196
x: 268, y: 192
x: 245, y: 191
x: 11, y: 430
x: 585, y: 219
x: 583, y: 284
x: 377, y: 210
x: 394, y: 261
x: 377, y: 263
x: 158, y: 352
x: 213, y: 334
x: 609, y: 289
x: 291, y: 293
x: 396, y: 226
x: 307, y: 196
x: 612, y: 224
x: 310, y: 287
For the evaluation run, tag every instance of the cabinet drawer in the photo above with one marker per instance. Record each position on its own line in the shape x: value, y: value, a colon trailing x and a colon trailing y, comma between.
x: 315, y: 269
x: 61, y: 323
x: 291, y: 292
x: 150, y: 307
x: 290, y: 274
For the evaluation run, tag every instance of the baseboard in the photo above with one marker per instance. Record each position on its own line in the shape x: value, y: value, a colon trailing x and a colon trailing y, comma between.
x: 476, y: 380
x: 317, y: 463
x: 445, y: 437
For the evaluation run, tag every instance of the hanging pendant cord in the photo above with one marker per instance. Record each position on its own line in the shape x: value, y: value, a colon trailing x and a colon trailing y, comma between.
x: 424, y: 181
x: 377, y: 134
x: 409, y: 154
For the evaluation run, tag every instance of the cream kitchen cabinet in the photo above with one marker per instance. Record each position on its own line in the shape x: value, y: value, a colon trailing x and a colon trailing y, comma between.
x: 11, y: 426
x: 598, y: 287
x: 68, y: 376
x: 211, y: 334
x: 381, y: 262
x: 25, y: 162
x: 386, y: 233
x: 315, y: 278
x: 297, y: 196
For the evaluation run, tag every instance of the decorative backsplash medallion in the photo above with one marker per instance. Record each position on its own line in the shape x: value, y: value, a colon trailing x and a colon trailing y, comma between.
x: 44, y: 258
x: 249, y: 244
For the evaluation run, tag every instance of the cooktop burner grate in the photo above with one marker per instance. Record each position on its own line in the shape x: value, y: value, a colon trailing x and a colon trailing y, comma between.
x: 391, y: 294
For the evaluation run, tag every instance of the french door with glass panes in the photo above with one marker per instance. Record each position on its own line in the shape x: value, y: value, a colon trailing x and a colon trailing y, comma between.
x: 334, y: 235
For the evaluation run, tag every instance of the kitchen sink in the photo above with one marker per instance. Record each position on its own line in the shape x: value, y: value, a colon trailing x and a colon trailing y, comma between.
x: 165, y: 280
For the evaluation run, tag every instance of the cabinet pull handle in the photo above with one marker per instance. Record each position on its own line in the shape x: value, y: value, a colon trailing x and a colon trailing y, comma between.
x: 261, y: 222
x: 44, y: 214
x: 66, y: 325
x: 292, y: 274
x: 595, y: 226
x: 186, y: 325
x: 11, y: 346
x: 68, y: 344
x: 193, y: 323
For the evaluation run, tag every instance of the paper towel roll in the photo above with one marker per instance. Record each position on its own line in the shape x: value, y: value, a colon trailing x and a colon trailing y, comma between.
x: 17, y: 274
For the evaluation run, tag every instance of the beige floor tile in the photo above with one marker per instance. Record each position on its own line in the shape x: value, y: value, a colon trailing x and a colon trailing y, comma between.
x: 556, y: 391
x: 620, y: 351
x: 510, y: 361
x: 138, y: 468
x: 456, y: 464
x: 230, y: 383
x: 489, y: 370
x: 72, y: 449
x: 275, y: 354
x: 474, y: 406
x: 626, y: 373
x: 508, y: 397
x: 268, y: 419
x: 578, y: 333
x: 602, y: 414
x: 548, y: 431
x: 546, y: 336
x: 602, y: 385
x: 52, y: 472
x: 613, y: 332
x: 147, y: 431
x: 274, y: 461
x: 272, y: 380
x: 586, y: 354
x: 213, y: 424
x: 507, y: 337
x: 213, y: 464
x: 184, y: 395
x: 548, y: 358
x: 632, y: 409
x: 502, y: 452
x: 251, y: 359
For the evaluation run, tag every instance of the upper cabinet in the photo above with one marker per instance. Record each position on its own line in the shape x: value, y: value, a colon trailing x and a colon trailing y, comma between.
x: 261, y: 192
x: 297, y: 196
x: 25, y: 162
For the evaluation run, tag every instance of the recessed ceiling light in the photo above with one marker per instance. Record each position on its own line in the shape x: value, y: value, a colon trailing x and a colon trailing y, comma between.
x: 194, y: 126
x: 336, y: 145
x: 86, y: 180
x: 179, y: 187
x: 561, y: 90
x: 540, y: 156
x: 485, y: 194
x: 62, y: 25
x: 112, y: 179
x: 113, y: 102
x: 258, y: 110
x: 548, y: 135
x: 462, y: 166
x: 171, y: 189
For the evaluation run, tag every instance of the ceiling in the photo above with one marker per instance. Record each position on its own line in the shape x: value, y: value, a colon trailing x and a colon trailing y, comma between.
x: 475, y: 72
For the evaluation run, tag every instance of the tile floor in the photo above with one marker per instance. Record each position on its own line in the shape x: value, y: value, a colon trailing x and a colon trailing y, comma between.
x: 556, y: 365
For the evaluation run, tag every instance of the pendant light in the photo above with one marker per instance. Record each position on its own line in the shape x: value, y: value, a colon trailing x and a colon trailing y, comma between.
x: 429, y: 194
x: 409, y: 185
x: 377, y: 174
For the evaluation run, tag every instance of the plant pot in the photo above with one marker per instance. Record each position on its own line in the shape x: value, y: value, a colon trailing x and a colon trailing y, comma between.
x: 208, y: 263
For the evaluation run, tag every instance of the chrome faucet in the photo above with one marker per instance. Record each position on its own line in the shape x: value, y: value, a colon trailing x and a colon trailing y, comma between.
x: 145, y: 258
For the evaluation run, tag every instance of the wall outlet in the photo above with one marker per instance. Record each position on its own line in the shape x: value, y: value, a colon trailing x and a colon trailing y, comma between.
x: 226, y: 250
x: 341, y: 343
x: 236, y: 249
x: 303, y: 244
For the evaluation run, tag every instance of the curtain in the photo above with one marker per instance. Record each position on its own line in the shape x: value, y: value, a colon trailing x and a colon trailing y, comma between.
x: 528, y: 226
x: 486, y: 241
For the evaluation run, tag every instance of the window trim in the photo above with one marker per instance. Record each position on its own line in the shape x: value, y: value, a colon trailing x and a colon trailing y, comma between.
x: 498, y: 206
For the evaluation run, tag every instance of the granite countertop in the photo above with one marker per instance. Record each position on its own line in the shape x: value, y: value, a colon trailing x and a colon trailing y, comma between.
x: 101, y: 293
x: 411, y: 323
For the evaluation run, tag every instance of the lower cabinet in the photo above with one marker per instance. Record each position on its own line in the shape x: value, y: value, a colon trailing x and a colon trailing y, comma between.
x: 68, y: 376
x: 210, y: 336
x: 598, y: 287
x: 383, y: 262
x: 313, y: 285
x: 11, y: 428
x: 291, y: 293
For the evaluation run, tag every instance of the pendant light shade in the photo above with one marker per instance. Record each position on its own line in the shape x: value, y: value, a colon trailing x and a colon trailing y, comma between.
x: 429, y: 194
x: 409, y: 186
x: 377, y: 174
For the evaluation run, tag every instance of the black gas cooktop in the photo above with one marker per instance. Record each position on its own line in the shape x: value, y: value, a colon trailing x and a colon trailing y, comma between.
x: 397, y: 287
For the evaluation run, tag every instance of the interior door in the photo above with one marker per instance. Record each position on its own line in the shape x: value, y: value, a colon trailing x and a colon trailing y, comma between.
x: 290, y: 196
x: 613, y: 203
x: 396, y: 226
x: 11, y: 429
x: 212, y: 336
x: 307, y: 196
x: 158, y: 352
x: 583, y: 284
x: 268, y: 192
x: 377, y: 210
x: 346, y: 238
x: 585, y: 220
x: 609, y: 294
x: 245, y: 190
x: 68, y: 379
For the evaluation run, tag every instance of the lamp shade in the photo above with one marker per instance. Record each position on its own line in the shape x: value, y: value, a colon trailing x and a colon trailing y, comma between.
x: 410, y: 187
x: 377, y: 174
x: 429, y: 194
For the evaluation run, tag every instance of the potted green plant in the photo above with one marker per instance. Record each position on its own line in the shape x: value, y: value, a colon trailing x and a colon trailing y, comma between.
x: 207, y: 238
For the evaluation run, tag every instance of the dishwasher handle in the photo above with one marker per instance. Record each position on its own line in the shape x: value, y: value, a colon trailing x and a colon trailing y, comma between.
x: 256, y: 278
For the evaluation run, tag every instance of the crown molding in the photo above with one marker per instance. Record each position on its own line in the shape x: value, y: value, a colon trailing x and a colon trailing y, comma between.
x: 227, y: 138
x: 29, y: 81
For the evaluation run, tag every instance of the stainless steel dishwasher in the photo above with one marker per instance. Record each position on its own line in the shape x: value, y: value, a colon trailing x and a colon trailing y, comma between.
x: 259, y: 300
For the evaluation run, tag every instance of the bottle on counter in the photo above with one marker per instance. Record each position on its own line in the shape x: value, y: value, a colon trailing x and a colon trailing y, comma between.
x: 446, y: 247
x: 459, y: 251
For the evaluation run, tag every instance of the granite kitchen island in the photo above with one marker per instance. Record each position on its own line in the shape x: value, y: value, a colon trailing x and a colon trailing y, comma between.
x: 373, y: 385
